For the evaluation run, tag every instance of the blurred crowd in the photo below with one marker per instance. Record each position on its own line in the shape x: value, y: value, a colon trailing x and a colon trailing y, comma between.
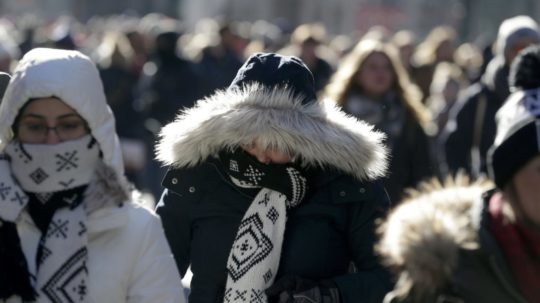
x: 153, y: 66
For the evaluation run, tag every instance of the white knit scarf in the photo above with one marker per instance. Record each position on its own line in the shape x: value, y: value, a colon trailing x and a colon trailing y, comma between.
x: 254, y: 258
x: 61, y: 273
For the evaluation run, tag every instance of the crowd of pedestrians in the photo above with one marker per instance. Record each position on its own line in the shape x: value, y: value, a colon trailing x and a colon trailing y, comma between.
x: 143, y: 161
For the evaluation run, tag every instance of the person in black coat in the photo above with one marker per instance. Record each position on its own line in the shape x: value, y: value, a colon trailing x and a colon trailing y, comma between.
x: 470, y: 130
x: 461, y: 242
x: 271, y: 195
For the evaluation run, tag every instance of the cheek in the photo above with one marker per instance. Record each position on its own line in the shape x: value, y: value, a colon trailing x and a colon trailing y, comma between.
x: 386, y: 77
x: 252, y: 151
x: 528, y: 192
x: 278, y: 157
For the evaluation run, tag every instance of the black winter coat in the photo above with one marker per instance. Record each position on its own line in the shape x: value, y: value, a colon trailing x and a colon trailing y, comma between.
x: 334, y: 226
x: 470, y: 131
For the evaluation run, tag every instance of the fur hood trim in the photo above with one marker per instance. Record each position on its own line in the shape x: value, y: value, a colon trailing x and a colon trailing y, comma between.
x: 422, y: 237
x: 316, y: 134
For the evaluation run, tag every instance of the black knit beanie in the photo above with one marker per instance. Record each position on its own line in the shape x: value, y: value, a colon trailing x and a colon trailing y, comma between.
x: 518, y: 136
x: 525, y: 69
x: 271, y: 70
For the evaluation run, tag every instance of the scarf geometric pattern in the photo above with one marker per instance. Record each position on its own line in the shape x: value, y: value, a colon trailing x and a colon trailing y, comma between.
x: 254, y: 258
x: 60, y: 275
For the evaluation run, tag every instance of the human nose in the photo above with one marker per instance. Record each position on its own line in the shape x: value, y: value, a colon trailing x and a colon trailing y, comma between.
x: 52, y: 136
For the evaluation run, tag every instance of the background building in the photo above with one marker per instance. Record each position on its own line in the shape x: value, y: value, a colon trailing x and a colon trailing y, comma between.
x: 474, y: 20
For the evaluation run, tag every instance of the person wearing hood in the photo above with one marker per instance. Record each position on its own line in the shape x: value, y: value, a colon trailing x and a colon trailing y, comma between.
x: 70, y: 227
x: 476, y: 243
x: 471, y: 127
x: 372, y: 85
x: 272, y: 195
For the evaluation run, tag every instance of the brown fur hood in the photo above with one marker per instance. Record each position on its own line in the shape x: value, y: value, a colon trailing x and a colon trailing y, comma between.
x: 422, y: 237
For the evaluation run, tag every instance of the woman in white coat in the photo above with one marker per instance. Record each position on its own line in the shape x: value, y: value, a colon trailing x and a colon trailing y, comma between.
x: 69, y: 228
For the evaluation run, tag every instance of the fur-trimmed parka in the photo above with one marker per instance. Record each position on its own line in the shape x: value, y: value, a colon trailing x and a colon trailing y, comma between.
x: 439, y: 244
x: 334, y: 225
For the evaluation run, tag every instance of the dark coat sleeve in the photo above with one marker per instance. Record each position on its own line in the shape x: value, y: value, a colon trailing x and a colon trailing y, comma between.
x: 458, y: 137
x: 370, y: 281
x: 174, y: 212
x: 176, y: 208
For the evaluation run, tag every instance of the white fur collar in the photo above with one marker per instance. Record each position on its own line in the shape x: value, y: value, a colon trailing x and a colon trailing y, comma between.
x: 319, y: 134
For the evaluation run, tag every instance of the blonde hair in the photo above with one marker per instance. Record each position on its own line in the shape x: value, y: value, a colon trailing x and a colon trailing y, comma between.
x: 426, y: 51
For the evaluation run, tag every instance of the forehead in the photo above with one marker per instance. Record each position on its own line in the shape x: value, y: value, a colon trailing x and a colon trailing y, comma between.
x: 47, y: 107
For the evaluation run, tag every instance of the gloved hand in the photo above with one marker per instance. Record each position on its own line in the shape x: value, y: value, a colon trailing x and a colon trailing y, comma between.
x: 293, y: 289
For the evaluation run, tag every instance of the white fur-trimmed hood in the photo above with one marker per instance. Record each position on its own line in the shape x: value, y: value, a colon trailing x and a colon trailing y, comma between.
x: 317, y: 134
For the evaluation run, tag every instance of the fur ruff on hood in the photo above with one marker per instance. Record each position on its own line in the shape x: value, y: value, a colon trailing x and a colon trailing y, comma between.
x: 316, y: 134
x: 422, y: 237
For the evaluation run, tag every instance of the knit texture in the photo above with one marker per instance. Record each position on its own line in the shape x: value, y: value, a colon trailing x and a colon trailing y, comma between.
x: 254, y: 258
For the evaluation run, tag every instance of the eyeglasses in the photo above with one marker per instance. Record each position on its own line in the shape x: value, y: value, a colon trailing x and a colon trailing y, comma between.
x: 37, y: 131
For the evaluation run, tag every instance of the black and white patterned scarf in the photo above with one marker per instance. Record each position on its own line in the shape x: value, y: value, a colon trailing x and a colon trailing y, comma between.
x: 254, y: 258
x: 50, y: 174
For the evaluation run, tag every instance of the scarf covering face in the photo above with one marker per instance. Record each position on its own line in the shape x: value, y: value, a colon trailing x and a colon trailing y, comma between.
x: 47, y: 173
x: 254, y: 258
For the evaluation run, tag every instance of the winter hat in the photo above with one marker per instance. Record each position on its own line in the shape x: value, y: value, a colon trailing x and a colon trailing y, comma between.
x: 271, y: 70
x: 525, y: 70
x: 513, y: 29
x: 518, y: 136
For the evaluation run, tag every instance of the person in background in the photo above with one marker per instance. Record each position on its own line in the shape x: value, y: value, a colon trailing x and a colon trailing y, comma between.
x: 448, y: 81
x: 468, y: 56
x: 438, y: 46
x: 168, y: 82
x: 471, y: 127
x: 446, y: 87
x: 405, y: 42
x: 70, y: 228
x: 476, y: 243
x: 308, y: 44
x: 272, y: 195
x: 9, y: 50
x: 114, y: 58
x: 372, y: 85
x: 219, y: 57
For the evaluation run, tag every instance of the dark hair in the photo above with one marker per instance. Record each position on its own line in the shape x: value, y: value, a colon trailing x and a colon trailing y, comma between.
x: 15, y: 124
x: 525, y: 69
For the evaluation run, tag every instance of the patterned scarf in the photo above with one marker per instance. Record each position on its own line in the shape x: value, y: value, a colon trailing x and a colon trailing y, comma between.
x: 49, y: 179
x: 520, y: 246
x: 254, y: 258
